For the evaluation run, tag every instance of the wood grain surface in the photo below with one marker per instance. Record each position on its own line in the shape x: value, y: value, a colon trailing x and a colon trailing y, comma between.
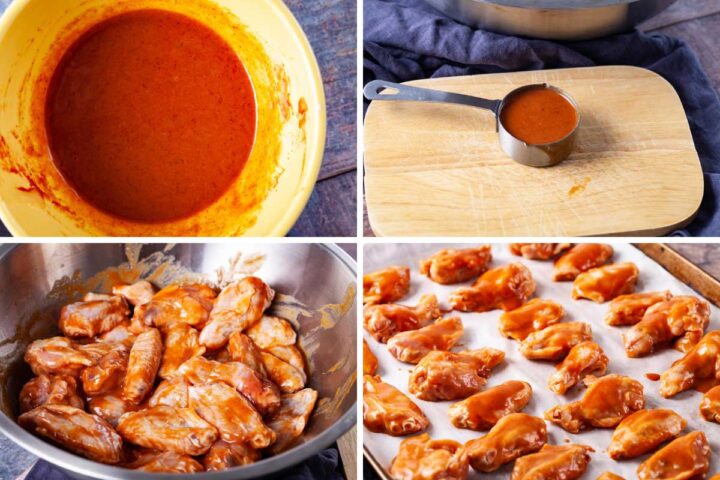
x: 437, y: 169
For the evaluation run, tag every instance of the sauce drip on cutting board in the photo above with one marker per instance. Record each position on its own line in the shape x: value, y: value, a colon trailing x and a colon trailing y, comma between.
x: 150, y: 116
x: 538, y: 116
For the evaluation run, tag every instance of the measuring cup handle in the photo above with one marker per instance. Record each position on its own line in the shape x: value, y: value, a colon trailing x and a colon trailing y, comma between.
x: 415, y: 94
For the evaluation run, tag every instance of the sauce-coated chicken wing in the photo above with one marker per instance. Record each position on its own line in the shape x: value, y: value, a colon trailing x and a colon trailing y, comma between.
x: 682, y: 319
x: 231, y: 414
x: 584, y: 358
x: 456, y: 266
x: 143, y: 364
x: 484, y: 409
x: 387, y: 410
x: 421, y: 458
x: 606, y: 402
x: 581, y: 258
x: 535, y: 315
x: 538, y: 251
x: 263, y: 394
x: 609, y: 476
x: 710, y: 405
x: 385, y: 320
x: 172, y: 393
x: 170, y: 429
x: 58, y: 356
x: 164, y: 462
x: 87, y: 319
x: 76, y: 431
x: 643, y: 431
x: 553, y: 462
x: 108, y: 373
x: 687, y: 457
x: 702, y: 362
x: 272, y: 331
x: 506, y: 288
x: 289, y: 354
x: 386, y: 286
x: 237, y: 308
x: 555, y: 341
x: 110, y: 407
x: 139, y: 293
x: 242, y: 349
x: 453, y: 375
x: 605, y: 283
x: 50, y: 389
x: 290, y: 420
x: 512, y: 437
x: 181, y: 344
x: 288, y: 378
x: 413, y: 345
x: 223, y: 455
x: 122, y: 333
x: 629, y: 309
x: 370, y: 361
x: 189, y: 304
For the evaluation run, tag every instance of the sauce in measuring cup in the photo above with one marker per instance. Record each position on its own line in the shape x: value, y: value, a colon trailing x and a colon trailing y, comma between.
x: 539, y: 116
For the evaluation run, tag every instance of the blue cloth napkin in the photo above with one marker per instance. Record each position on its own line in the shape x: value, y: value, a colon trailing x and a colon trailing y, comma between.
x: 324, y: 466
x: 409, y: 40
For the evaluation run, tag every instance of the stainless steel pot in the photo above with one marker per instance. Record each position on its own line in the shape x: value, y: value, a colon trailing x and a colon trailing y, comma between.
x: 36, y: 280
x: 552, y: 19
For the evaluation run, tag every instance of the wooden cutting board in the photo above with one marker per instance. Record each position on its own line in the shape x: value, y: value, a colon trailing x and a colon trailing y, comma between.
x: 437, y: 170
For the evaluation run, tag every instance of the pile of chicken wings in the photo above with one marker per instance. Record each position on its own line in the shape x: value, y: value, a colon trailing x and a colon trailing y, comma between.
x: 423, y: 336
x: 181, y: 380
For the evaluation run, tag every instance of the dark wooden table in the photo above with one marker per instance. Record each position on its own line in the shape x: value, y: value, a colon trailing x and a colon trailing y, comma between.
x: 331, y: 28
x: 697, y: 22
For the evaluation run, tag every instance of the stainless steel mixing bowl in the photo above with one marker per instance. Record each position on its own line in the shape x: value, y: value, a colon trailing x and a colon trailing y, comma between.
x: 552, y: 19
x: 36, y: 280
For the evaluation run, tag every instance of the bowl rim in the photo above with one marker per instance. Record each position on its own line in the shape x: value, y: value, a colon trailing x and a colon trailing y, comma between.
x: 76, y: 464
x: 304, y: 188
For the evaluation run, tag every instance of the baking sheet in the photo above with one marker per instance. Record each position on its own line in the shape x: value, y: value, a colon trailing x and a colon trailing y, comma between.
x: 481, y: 329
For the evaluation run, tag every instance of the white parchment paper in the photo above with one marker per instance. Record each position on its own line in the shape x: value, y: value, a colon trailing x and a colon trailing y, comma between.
x: 481, y: 329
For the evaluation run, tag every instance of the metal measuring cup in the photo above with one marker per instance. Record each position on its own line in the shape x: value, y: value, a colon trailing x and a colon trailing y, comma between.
x: 533, y: 155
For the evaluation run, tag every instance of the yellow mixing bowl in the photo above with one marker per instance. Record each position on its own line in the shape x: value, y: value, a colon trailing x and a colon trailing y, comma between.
x: 273, y: 188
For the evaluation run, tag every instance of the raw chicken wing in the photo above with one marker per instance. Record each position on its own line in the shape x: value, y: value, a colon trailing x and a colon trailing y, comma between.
x: 384, y: 321
x: 142, y: 366
x: 386, y: 286
x: 710, y: 405
x: 687, y: 457
x: 413, y: 345
x: 456, y: 266
x: 181, y: 344
x: 289, y: 421
x: 223, y: 455
x: 606, y: 402
x: 609, y: 476
x: 451, y: 375
x: 702, y: 362
x: 512, y: 437
x: 237, y: 307
x: 555, y: 341
x: 108, y: 373
x: 87, y: 319
x: 110, y: 407
x: 421, y: 458
x: 370, y: 361
x: 505, y: 288
x: 288, y: 378
x: 535, y: 315
x: 172, y: 393
x: 139, y: 293
x: 234, y: 417
x: 387, y: 410
x: 189, y: 304
x: 538, y: 251
x: 629, y: 309
x: 644, y: 431
x: 553, y: 462
x: 483, y: 410
x: 579, y: 259
x: 242, y: 349
x: 605, y: 283
x: 58, y: 356
x: 50, y: 389
x: 272, y: 331
x: 170, y: 429
x: 584, y: 358
x: 76, y: 431
x: 289, y: 354
x: 681, y: 319
x: 164, y: 462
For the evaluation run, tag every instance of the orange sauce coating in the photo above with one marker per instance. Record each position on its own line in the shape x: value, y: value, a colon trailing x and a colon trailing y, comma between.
x: 538, y: 116
x: 150, y: 116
